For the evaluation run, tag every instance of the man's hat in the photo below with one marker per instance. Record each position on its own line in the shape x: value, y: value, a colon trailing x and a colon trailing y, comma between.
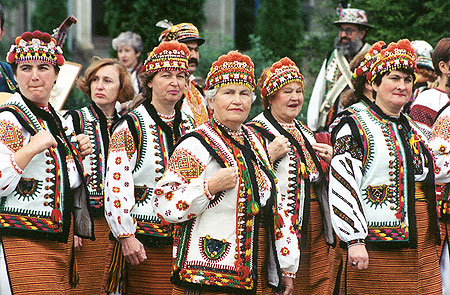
x: 353, y: 16
x: 423, y: 50
x: 183, y: 32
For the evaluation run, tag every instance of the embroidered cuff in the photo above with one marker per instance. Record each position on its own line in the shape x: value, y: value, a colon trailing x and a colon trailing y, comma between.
x: 125, y: 235
x: 288, y: 274
x: 206, y: 190
x: 356, y: 242
x: 14, y: 164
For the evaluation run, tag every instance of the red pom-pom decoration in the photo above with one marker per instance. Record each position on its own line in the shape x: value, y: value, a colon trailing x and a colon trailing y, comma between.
x: 37, y: 35
x: 18, y: 38
x: 59, y: 60
x: 46, y: 37
x: 359, y: 72
x: 27, y: 36
x: 11, y: 57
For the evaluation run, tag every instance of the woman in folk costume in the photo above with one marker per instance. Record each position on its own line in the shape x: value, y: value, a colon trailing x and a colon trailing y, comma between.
x: 106, y: 82
x: 440, y: 146
x: 300, y: 171
x: 41, y: 177
x: 138, y: 152
x: 220, y: 188
x: 359, y: 98
x: 382, y: 194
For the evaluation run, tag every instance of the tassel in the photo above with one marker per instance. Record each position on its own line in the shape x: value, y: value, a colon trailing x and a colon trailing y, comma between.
x: 413, y: 143
x: 303, y: 171
x: 56, y: 216
x: 117, y: 272
x: 279, y: 223
x: 325, y: 166
x: 253, y: 208
x: 242, y: 270
x: 74, y: 277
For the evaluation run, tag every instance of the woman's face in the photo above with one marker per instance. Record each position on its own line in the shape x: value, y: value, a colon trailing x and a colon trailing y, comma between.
x: 168, y: 87
x: 231, y: 105
x: 105, y: 86
x: 287, y: 103
x: 128, y: 56
x: 393, y: 92
x: 36, y: 80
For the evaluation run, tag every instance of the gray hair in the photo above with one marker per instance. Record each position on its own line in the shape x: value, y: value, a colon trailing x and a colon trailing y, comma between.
x: 128, y: 38
x: 211, y: 94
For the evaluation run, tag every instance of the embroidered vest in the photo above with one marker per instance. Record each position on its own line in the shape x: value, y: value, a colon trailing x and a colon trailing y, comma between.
x: 387, y: 185
x: 153, y: 152
x: 91, y: 122
x: 225, y: 247
x: 41, y: 205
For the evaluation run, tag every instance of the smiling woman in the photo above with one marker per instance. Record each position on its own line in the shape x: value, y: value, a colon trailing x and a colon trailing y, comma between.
x: 41, y: 176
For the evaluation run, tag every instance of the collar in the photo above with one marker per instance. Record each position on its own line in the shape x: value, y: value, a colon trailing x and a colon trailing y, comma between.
x: 398, y: 120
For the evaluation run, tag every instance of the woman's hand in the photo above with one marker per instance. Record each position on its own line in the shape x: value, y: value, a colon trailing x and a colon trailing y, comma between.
x: 85, y: 145
x: 325, y: 151
x: 278, y: 148
x: 358, y: 257
x: 77, y: 242
x: 222, y: 180
x: 133, y: 250
x: 41, y: 141
x: 288, y: 286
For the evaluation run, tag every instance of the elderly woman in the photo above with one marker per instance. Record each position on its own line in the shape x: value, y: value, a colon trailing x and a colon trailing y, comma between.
x: 106, y: 81
x: 298, y: 168
x: 220, y: 188
x: 129, y: 47
x: 138, y: 152
x: 41, y: 176
x: 382, y: 194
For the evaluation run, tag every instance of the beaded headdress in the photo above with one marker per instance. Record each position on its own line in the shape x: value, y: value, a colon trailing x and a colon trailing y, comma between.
x: 232, y: 68
x: 364, y: 66
x: 353, y: 16
x: 396, y: 56
x: 35, y: 46
x: 167, y: 56
x: 183, y: 32
x: 281, y: 73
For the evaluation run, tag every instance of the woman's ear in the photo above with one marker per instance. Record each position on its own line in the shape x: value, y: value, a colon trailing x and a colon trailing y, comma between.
x: 210, y: 104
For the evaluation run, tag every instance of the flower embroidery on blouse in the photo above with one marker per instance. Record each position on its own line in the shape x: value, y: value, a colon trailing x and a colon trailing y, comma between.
x: 182, y: 205
x: 116, y: 176
x: 117, y: 203
x: 285, y: 251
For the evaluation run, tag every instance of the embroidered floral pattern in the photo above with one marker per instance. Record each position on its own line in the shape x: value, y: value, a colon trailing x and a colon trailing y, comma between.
x: 11, y: 136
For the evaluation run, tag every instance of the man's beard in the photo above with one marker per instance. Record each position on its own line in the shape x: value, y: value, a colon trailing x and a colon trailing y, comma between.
x: 349, y: 50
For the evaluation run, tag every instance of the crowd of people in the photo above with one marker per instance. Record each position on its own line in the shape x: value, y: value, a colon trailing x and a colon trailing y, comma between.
x: 162, y: 186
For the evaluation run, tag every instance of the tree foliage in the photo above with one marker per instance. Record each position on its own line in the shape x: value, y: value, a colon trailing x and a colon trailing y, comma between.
x: 280, y: 25
x: 141, y: 16
x: 412, y: 19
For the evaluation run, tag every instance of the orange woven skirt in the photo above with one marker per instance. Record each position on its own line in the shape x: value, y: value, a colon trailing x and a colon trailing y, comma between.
x: 399, y: 271
x: 262, y: 286
x: 91, y: 260
x: 37, y: 266
x: 150, y: 277
x: 314, y: 275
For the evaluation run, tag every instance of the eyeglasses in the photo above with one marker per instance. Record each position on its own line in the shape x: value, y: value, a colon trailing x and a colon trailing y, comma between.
x: 348, y: 31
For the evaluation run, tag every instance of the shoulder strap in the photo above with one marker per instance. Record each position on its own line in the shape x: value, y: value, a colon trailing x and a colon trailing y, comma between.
x: 76, y: 120
x: 261, y: 130
x: 208, y: 146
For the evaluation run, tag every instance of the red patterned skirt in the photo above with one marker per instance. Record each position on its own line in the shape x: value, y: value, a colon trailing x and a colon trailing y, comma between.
x: 37, y: 266
x: 150, y: 277
x: 399, y: 271
x: 91, y: 260
x: 316, y: 274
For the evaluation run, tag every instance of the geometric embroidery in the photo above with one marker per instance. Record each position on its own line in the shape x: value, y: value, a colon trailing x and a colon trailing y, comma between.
x: 185, y: 164
x: 441, y: 128
x: 345, y: 218
x: 11, y: 136
x: 212, y: 249
x: 348, y: 144
x: 27, y: 188
x: 122, y: 141
x: 377, y: 194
